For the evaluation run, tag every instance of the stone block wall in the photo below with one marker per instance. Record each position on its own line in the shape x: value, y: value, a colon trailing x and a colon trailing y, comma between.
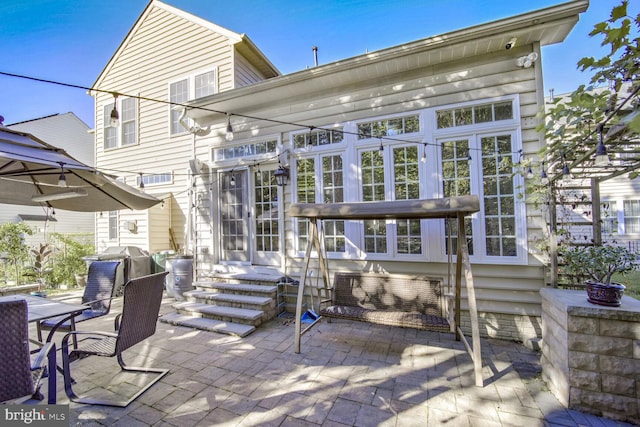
x: 591, y: 354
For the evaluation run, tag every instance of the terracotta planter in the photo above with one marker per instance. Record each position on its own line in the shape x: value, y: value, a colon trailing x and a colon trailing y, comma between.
x: 604, y: 294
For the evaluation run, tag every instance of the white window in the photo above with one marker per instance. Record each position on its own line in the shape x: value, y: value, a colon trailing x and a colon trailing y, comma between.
x: 155, y: 179
x: 126, y: 133
x: 198, y: 85
x: 631, y: 216
x: 113, y: 225
x: 320, y: 179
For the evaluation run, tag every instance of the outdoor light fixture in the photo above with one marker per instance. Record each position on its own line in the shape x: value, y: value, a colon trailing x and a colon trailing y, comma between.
x: 62, y: 180
x: 528, y: 60
x: 77, y: 192
x: 381, y: 147
x: 114, y: 119
x: 141, y: 185
x: 229, y: 135
x: 602, y: 158
x: 544, y: 180
x: 282, y: 176
x: 529, y: 173
x: 565, y: 172
x: 423, y: 159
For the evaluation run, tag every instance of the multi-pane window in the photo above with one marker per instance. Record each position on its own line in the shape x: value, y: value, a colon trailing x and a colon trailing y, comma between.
x: 204, y: 84
x: 389, y: 127
x: 155, y: 179
x: 333, y: 192
x: 306, y: 193
x: 499, y: 196
x: 631, y: 216
x: 404, y: 184
x: 113, y: 225
x: 407, y: 186
x: 318, y: 137
x: 373, y: 189
x: 126, y: 133
x: 456, y: 181
x: 609, y: 215
x: 320, y: 179
x: 178, y: 93
x: 248, y: 149
x: 129, y: 122
x: 110, y: 132
x: 266, y: 217
x: 474, y: 114
x: 191, y: 87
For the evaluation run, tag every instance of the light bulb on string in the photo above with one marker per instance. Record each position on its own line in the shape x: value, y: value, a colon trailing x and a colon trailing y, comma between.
x: 114, y: 117
x: 423, y: 159
x: 544, y: 179
x: 62, y: 179
x: 602, y: 158
x: 529, y: 173
x: 229, y: 134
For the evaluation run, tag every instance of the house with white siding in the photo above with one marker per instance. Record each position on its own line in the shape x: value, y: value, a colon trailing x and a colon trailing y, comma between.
x: 68, y: 132
x: 447, y: 115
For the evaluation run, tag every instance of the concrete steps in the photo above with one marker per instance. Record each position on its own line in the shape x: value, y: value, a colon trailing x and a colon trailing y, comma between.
x: 228, y: 305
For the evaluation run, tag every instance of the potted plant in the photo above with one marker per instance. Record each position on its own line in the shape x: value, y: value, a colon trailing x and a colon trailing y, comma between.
x: 598, y: 264
x: 40, y: 267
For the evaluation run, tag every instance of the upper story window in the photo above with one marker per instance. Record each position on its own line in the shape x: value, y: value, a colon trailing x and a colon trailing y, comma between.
x: 389, y: 127
x: 474, y: 114
x: 191, y: 87
x: 126, y: 133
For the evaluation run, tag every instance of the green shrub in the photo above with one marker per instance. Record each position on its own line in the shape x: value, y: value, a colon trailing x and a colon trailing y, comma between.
x: 67, y: 256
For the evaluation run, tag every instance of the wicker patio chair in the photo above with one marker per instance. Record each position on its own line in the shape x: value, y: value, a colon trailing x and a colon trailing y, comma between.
x: 19, y: 376
x: 140, y: 309
x: 97, y: 296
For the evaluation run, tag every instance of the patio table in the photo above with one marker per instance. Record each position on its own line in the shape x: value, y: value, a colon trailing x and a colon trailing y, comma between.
x: 39, y: 308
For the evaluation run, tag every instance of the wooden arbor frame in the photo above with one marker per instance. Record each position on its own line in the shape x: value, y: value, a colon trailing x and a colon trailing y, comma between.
x: 449, y: 207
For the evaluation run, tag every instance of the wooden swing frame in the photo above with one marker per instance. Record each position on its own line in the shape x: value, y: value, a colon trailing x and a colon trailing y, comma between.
x: 446, y: 208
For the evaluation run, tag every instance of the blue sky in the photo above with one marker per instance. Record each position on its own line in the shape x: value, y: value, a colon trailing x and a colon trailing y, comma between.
x: 72, y: 40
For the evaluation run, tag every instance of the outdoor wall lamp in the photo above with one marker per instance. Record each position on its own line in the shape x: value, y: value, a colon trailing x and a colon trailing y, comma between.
x: 282, y: 176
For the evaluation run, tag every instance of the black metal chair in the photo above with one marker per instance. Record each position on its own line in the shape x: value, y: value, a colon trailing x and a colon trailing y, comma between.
x: 97, y: 296
x: 19, y: 376
x: 141, y: 306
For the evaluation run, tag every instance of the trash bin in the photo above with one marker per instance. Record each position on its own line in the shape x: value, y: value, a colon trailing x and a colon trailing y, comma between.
x: 180, y: 277
x: 158, y: 260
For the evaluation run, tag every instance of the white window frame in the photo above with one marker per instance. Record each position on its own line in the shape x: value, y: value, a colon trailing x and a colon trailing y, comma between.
x: 475, y: 133
x: 191, y: 91
x: 124, y: 118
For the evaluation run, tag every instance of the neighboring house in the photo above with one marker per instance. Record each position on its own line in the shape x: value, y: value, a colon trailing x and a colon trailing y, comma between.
x: 68, y: 132
x: 442, y: 116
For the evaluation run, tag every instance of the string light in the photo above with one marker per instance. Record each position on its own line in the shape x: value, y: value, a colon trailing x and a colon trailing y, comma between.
x: 229, y: 134
x: 544, y: 179
x: 381, y: 149
x: 530, y: 173
x: 114, y: 118
x: 141, y: 182
x: 423, y: 159
x: 62, y: 180
x: 566, y: 174
x: 602, y: 158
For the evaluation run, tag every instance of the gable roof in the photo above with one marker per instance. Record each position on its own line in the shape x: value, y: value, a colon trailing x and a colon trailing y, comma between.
x: 544, y: 26
x: 242, y: 43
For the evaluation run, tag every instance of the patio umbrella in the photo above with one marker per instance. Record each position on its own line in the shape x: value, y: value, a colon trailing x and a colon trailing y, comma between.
x: 32, y: 171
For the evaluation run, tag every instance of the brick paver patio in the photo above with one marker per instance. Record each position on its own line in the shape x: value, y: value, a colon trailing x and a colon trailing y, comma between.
x: 348, y: 374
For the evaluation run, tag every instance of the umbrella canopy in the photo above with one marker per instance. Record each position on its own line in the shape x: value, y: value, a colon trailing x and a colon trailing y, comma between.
x: 31, y: 171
